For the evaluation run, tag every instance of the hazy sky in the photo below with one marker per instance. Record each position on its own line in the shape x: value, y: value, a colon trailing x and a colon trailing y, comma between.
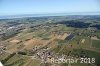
x: 14, y: 7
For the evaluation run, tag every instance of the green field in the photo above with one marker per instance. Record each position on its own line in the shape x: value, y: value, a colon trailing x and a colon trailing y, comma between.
x: 96, y: 43
x: 89, y: 54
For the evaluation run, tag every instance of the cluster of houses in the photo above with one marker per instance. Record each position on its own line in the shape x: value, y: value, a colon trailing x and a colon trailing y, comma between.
x: 46, y: 56
x: 2, y: 49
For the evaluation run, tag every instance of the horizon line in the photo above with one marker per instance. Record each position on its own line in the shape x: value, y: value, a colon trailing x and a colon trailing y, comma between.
x: 69, y: 13
x: 49, y: 15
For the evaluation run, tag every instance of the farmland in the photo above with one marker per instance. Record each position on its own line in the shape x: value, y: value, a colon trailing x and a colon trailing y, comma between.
x: 35, y: 41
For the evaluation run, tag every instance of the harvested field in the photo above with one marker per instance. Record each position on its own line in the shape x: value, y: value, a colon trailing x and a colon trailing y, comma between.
x: 34, y: 42
x: 15, y: 41
x: 83, y: 40
x: 64, y: 36
x: 94, y: 38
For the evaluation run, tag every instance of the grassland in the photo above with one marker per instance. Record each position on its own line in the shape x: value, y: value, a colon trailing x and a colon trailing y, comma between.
x: 96, y: 43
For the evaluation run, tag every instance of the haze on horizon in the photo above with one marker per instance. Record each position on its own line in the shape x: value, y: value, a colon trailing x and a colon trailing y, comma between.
x: 17, y: 7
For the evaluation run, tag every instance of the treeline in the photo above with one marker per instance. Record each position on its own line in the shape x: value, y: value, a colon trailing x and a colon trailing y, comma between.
x: 75, y: 23
x: 96, y: 26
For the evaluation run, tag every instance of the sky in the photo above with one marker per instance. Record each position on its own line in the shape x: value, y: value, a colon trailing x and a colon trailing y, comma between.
x: 17, y: 7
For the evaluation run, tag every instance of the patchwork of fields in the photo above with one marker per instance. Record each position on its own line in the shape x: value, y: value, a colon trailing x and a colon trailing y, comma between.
x: 34, y: 45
